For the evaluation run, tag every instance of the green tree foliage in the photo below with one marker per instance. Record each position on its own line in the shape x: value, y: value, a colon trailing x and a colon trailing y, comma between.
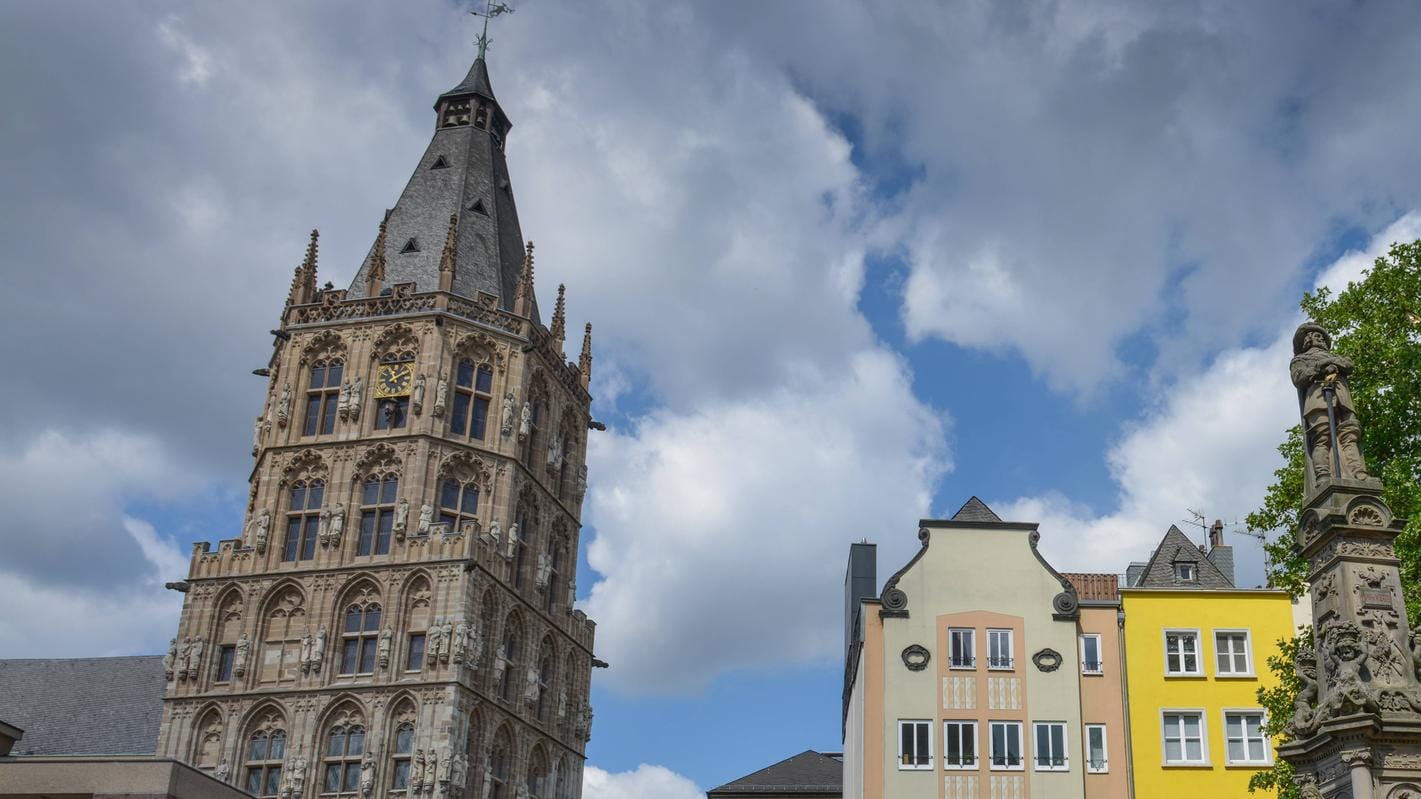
x: 1278, y: 701
x: 1377, y: 323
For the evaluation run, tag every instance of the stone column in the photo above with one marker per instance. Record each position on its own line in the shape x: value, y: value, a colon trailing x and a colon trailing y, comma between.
x: 1359, y: 769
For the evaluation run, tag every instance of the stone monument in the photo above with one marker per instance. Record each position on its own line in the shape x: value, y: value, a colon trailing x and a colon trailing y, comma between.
x: 1357, y: 724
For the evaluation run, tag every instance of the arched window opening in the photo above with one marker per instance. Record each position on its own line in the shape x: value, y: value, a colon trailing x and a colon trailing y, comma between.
x: 509, y: 654
x: 322, y: 397
x: 266, y: 749
x: 303, y: 520
x: 458, y: 503
x: 377, y: 514
x: 360, y: 639
x: 400, y: 756
x: 473, y: 395
x: 341, y: 760
x: 499, y: 765
x: 281, y: 646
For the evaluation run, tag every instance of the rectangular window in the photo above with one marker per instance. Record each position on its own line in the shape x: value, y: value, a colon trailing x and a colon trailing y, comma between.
x: 915, y: 745
x: 1231, y: 653
x: 960, y: 649
x: 1051, y: 746
x: 1243, y: 734
x: 224, y: 663
x: 999, y: 654
x: 1184, y: 572
x: 1184, y: 738
x: 1095, y: 756
x: 959, y: 744
x: 1006, y: 745
x: 480, y: 418
x: 415, y: 660
x: 1181, y: 652
x: 1090, y: 654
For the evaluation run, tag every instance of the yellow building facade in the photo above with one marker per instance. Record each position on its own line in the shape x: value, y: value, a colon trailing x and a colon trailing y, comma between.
x: 1195, y: 658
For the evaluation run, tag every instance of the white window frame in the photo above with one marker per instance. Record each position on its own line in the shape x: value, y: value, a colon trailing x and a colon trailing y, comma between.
x: 1203, y: 737
x: 1100, y: 662
x: 1193, y: 571
x: 971, y: 654
x: 1198, y: 652
x: 1011, y: 649
x: 1104, y: 767
x: 1267, y: 742
x: 1065, y: 753
x: 924, y: 724
x: 991, y: 742
x: 968, y: 731
x: 1247, y: 653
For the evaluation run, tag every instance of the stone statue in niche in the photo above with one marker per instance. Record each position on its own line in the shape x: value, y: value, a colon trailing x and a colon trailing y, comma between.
x: 426, y: 518
x: 283, y: 408
x: 417, y: 395
x: 448, y: 769
x: 184, y: 652
x: 487, y: 790
x: 459, y: 772
x: 434, y: 640
x: 170, y: 659
x: 343, y: 401
x: 1329, y: 416
x: 581, y: 488
x: 416, y: 778
x: 318, y: 650
x: 308, y: 647
x: 357, y: 392
x: 257, y: 435
x: 500, y: 666
x: 402, y: 518
x: 298, y: 776
x: 382, y: 649
x: 223, y: 772
x: 476, y: 645
x: 532, y: 688
x: 461, y: 641
x: 512, y: 541
x: 521, y: 793
x: 506, y: 426
x: 562, y: 701
x: 446, y: 638
x: 495, y: 531
x: 367, y: 774
x: 431, y: 766
x: 335, y: 524
x: 441, y: 396
x: 194, y: 664
x: 261, y: 529
x: 525, y: 422
x: 554, y: 452
x: 1347, y: 657
x: 242, y: 653
x: 1305, y: 705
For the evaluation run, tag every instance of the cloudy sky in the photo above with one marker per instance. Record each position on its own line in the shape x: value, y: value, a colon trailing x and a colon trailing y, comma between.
x: 848, y: 263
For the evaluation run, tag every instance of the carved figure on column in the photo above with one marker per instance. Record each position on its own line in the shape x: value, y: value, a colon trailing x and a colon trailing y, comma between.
x: 298, y: 776
x: 446, y: 636
x: 367, y: 774
x: 402, y: 518
x: 571, y: 593
x: 543, y: 572
x: 223, y: 771
x: 318, y: 651
x: 426, y: 518
x: 487, y: 790
x: 476, y: 645
x: 512, y: 541
x: 242, y: 652
x: 1305, y: 705
x: 1330, y: 425
x: 500, y: 666
x: 459, y: 773
x: 434, y: 640
x: 343, y: 401
x: 460, y: 647
x: 308, y: 648
x: 580, y: 489
x: 525, y: 422
x: 382, y: 649
x: 170, y: 659
x: 283, y: 408
x: 506, y: 425
x: 554, y: 452
x: 532, y: 689
x: 417, y: 395
x: 335, y: 525
x: 261, y: 529
x: 521, y: 792
x: 446, y: 773
x: 184, y: 652
x: 194, y: 664
x: 431, y: 766
x: 495, y: 532
x: 416, y: 769
x: 1346, y: 657
x: 562, y: 701
x: 257, y: 429
x: 441, y: 396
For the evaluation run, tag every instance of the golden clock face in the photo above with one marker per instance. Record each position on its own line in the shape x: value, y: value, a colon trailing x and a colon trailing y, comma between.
x: 394, y: 380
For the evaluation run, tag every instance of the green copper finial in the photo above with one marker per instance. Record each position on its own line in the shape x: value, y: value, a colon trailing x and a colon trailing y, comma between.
x: 491, y: 10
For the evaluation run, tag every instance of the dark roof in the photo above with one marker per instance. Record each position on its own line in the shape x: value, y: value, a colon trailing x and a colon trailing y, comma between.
x: 463, y: 173
x: 1174, y: 548
x: 807, y: 773
x: 975, y: 510
x: 84, y: 706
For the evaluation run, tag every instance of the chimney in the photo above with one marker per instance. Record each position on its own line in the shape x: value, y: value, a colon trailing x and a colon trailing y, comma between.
x: 1216, y: 534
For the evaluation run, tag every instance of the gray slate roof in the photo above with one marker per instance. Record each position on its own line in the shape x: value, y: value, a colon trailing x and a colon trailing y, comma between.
x: 489, y: 250
x: 1174, y: 548
x: 84, y: 706
x: 975, y: 510
x: 807, y: 773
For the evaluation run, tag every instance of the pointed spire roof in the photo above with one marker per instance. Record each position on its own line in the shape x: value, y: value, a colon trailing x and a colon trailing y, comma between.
x: 1176, y: 547
x: 462, y: 174
x: 975, y: 510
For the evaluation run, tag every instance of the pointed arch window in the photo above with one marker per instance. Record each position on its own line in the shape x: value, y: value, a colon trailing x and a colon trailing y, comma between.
x: 303, y: 520
x: 510, y: 659
x: 499, y: 762
x: 341, y: 760
x: 266, y: 750
x: 473, y: 396
x: 322, y: 397
x: 458, y: 503
x: 545, y: 679
x: 564, y: 442
x: 360, y: 640
x: 377, y: 514
x: 400, y: 756
x: 281, y: 646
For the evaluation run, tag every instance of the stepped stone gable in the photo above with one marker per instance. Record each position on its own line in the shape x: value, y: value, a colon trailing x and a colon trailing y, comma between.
x: 395, y: 617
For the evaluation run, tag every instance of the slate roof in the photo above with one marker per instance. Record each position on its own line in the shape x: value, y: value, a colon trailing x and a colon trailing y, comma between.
x: 462, y: 173
x: 975, y: 510
x: 808, y: 773
x: 84, y: 706
x: 1174, y: 548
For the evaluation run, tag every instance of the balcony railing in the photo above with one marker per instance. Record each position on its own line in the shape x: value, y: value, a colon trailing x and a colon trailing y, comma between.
x: 1092, y: 666
x: 999, y: 662
x: 963, y: 662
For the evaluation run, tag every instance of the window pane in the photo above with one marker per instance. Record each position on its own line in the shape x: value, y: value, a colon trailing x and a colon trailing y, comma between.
x: 382, y: 542
x: 315, y: 495
x: 298, y: 497
x: 416, y: 658
x: 335, y: 742
x: 332, y: 781
x: 328, y: 414
x: 347, y: 658
x: 1191, y: 726
x: 254, y: 781
x: 356, y: 744
x: 1172, y: 751
x: 372, y: 618
x: 258, y: 748
x: 308, y: 544
x: 458, y: 421
x: 352, y: 620
x: 485, y: 383
x: 333, y: 373
x: 352, y: 776
x: 313, y: 414
x: 277, y: 750
x: 404, y: 738
x: 273, y: 780
x: 402, y: 774
x: 464, y: 376
x: 1192, y: 750
x: 293, y: 538
x: 471, y: 499
x: 480, y: 423
x: 318, y: 376
x: 367, y: 533
x: 389, y: 487
x: 449, y: 494
x: 371, y: 493
x: 367, y: 657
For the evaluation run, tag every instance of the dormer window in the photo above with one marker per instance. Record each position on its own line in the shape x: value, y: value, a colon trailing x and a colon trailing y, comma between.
x: 1184, y: 572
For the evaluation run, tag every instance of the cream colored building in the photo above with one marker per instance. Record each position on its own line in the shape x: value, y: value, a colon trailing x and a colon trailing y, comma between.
x: 395, y: 617
x: 964, y: 676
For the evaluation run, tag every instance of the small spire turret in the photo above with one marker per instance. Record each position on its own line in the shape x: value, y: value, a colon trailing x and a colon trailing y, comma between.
x: 447, y: 258
x: 559, y: 327
x: 303, y: 283
x: 375, y: 279
x: 523, y: 299
x: 584, y: 363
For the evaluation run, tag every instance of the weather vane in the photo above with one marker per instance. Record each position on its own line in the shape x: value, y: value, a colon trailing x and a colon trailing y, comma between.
x: 491, y: 10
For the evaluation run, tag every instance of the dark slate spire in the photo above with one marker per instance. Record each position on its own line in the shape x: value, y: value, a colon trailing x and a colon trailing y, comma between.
x: 463, y: 174
x: 975, y: 510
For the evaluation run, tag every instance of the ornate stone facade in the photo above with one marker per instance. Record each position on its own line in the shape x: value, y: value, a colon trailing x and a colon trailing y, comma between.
x: 1357, y: 722
x: 396, y: 616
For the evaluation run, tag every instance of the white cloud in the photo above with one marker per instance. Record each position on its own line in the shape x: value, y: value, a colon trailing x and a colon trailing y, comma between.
x: 197, y: 62
x: 1210, y: 445
x: 713, y: 521
x: 646, y: 782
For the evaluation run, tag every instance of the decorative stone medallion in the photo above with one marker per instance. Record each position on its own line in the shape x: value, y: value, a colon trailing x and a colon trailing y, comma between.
x: 1047, y: 659
x: 916, y: 657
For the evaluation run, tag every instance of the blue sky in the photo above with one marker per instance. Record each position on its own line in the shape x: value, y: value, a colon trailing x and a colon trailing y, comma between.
x: 848, y: 264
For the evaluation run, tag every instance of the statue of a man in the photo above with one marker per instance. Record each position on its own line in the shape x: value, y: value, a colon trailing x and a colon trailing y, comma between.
x: 308, y: 647
x: 343, y: 401
x: 432, y: 640
x: 261, y: 529
x: 441, y: 396
x: 223, y: 771
x: 171, y: 658
x: 487, y: 789
x: 184, y: 652
x: 257, y: 435
x: 461, y: 641
x: 525, y: 423
x: 460, y: 771
x: 298, y: 776
x: 476, y: 645
x: 318, y: 650
x: 417, y: 395
x: 426, y: 518
x: 367, y: 774
x: 512, y: 541
x: 534, y: 687
x: 283, y: 408
x: 1319, y: 373
x: 241, y: 654
x: 506, y: 428
x: 416, y: 769
x: 446, y: 639
x: 431, y: 768
x: 194, y: 665
x: 382, y: 649
x: 357, y: 391
x: 337, y: 525
x: 402, y: 517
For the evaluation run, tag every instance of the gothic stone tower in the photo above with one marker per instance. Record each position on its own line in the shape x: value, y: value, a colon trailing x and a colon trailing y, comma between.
x: 396, y: 619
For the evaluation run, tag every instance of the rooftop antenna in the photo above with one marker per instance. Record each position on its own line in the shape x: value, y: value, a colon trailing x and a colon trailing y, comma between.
x: 491, y: 10
x: 1198, y: 520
